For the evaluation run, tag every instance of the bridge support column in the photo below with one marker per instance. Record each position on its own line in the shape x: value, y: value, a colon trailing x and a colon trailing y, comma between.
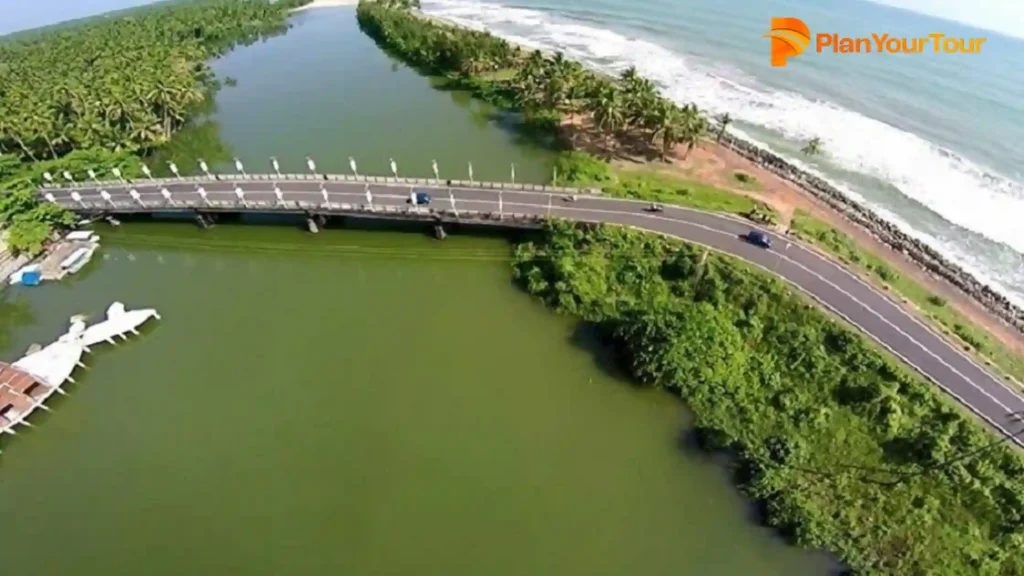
x: 311, y: 223
x: 204, y: 220
x: 439, y: 232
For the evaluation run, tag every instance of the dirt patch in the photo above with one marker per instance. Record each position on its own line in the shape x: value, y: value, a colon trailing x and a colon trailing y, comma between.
x: 717, y: 165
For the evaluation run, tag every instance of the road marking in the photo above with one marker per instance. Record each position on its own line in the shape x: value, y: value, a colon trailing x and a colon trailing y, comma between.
x: 817, y: 256
x: 831, y: 284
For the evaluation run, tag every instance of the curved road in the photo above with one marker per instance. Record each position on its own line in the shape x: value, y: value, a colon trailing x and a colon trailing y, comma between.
x: 831, y: 285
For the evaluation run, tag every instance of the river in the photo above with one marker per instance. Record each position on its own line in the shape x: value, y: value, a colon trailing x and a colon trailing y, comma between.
x: 359, y: 401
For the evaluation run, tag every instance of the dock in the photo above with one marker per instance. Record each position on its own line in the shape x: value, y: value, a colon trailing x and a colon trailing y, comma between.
x: 57, y: 263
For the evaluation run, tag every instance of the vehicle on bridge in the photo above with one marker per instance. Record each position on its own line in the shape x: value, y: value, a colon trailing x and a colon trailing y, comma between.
x: 654, y: 207
x: 419, y: 198
x: 758, y: 238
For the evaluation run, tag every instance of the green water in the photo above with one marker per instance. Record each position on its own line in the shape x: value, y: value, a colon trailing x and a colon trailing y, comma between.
x: 356, y: 402
x: 327, y: 91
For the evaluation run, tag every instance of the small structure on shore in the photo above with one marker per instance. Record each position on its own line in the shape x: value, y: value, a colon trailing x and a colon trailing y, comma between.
x: 26, y: 384
x: 66, y: 257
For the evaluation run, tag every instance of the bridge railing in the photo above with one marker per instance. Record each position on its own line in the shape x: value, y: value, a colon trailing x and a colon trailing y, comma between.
x: 515, y: 219
x: 400, y: 181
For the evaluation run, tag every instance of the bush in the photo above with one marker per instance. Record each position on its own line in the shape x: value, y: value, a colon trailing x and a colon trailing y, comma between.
x: 846, y: 450
x: 582, y: 169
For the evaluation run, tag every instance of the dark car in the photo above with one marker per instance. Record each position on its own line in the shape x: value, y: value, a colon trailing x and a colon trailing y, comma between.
x: 653, y: 207
x: 419, y: 199
x: 758, y: 239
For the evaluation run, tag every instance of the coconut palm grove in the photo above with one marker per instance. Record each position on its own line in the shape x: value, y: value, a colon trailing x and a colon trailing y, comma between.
x: 104, y: 93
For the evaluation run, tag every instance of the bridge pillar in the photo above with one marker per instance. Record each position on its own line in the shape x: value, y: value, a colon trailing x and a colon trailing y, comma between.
x: 311, y: 223
x: 204, y: 220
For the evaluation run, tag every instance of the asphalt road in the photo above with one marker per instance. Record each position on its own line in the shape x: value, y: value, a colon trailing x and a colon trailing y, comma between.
x: 830, y: 284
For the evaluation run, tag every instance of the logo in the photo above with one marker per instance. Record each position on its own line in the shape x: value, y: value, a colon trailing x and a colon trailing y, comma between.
x: 790, y: 37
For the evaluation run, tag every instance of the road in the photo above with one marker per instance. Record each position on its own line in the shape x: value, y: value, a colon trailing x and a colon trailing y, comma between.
x: 827, y: 282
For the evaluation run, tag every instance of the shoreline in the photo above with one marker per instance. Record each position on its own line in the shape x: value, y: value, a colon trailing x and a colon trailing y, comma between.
x: 324, y: 4
x: 928, y: 260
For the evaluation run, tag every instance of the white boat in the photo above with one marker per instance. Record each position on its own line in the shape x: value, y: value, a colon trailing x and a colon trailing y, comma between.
x: 78, y: 259
x: 29, y: 382
x: 82, y: 236
x: 119, y: 323
x: 26, y: 384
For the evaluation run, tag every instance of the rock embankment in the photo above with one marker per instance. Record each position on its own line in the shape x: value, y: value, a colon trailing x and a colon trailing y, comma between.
x: 921, y: 253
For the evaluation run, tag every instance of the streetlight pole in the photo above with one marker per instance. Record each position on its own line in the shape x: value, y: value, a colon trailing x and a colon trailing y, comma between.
x: 311, y: 165
x: 174, y: 170
x: 394, y: 167
x: 241, y: 169
x: 369, y: 197
x: 470, y: 173
x: 205, y: 168
x: 147, y: 171
x: 513, y: 172
x: 117, y: 174
x: 352, y: 166
x: 276, y: 166
x: 437, y: 177
x: 92, y: 175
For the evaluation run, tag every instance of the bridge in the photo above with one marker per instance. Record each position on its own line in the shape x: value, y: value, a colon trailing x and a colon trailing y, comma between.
x: 818, y: 276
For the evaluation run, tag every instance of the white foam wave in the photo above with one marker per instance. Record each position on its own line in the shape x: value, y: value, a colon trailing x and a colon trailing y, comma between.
x: 960, y: 191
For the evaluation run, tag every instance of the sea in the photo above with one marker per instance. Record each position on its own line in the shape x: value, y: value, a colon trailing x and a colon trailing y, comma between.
x: 932, y: 142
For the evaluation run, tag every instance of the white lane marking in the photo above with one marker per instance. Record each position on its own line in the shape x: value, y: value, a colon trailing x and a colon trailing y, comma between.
x: 975, y: 410
x: 775, y: 273
x: 829, y: 283
x: 897, y: 307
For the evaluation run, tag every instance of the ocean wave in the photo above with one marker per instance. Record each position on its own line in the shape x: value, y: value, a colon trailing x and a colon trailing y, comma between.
x: 963, y: 193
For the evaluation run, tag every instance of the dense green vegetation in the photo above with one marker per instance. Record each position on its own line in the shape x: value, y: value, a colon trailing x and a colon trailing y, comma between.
x: 121, y: 84
x: 949, y: 319
x: 107, y: 91
x: 846, y: 450
x: 644, y: 183
x: 620, y: 114
x: 625, y: 113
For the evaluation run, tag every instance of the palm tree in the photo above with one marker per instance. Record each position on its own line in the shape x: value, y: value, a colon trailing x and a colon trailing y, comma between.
x: 609, y: 112
x: 694, y: 126
x: 813, y: 147
x: 723, y: 120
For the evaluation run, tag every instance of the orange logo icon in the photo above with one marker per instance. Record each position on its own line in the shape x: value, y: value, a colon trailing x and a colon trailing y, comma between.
x: 790, y: 37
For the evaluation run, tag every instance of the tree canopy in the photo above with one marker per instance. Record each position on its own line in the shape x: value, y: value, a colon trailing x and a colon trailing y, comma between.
x: 126, y: 83
x: 847, y: 450
x: 103, y: 93
x: 549, y: 90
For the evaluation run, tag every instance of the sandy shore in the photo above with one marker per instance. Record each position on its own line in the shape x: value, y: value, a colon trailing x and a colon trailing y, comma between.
x: 326, y: 4
x: 716, y: 165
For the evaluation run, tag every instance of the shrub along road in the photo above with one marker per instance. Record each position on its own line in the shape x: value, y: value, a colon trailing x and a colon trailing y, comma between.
x: 826, y: 281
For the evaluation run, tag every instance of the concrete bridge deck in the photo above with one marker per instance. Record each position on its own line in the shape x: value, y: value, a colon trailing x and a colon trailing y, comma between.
x: 830, y: 284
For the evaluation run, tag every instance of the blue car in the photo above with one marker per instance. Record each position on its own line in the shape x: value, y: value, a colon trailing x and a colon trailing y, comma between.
x: 421, y: 199
x: 758, y: 238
